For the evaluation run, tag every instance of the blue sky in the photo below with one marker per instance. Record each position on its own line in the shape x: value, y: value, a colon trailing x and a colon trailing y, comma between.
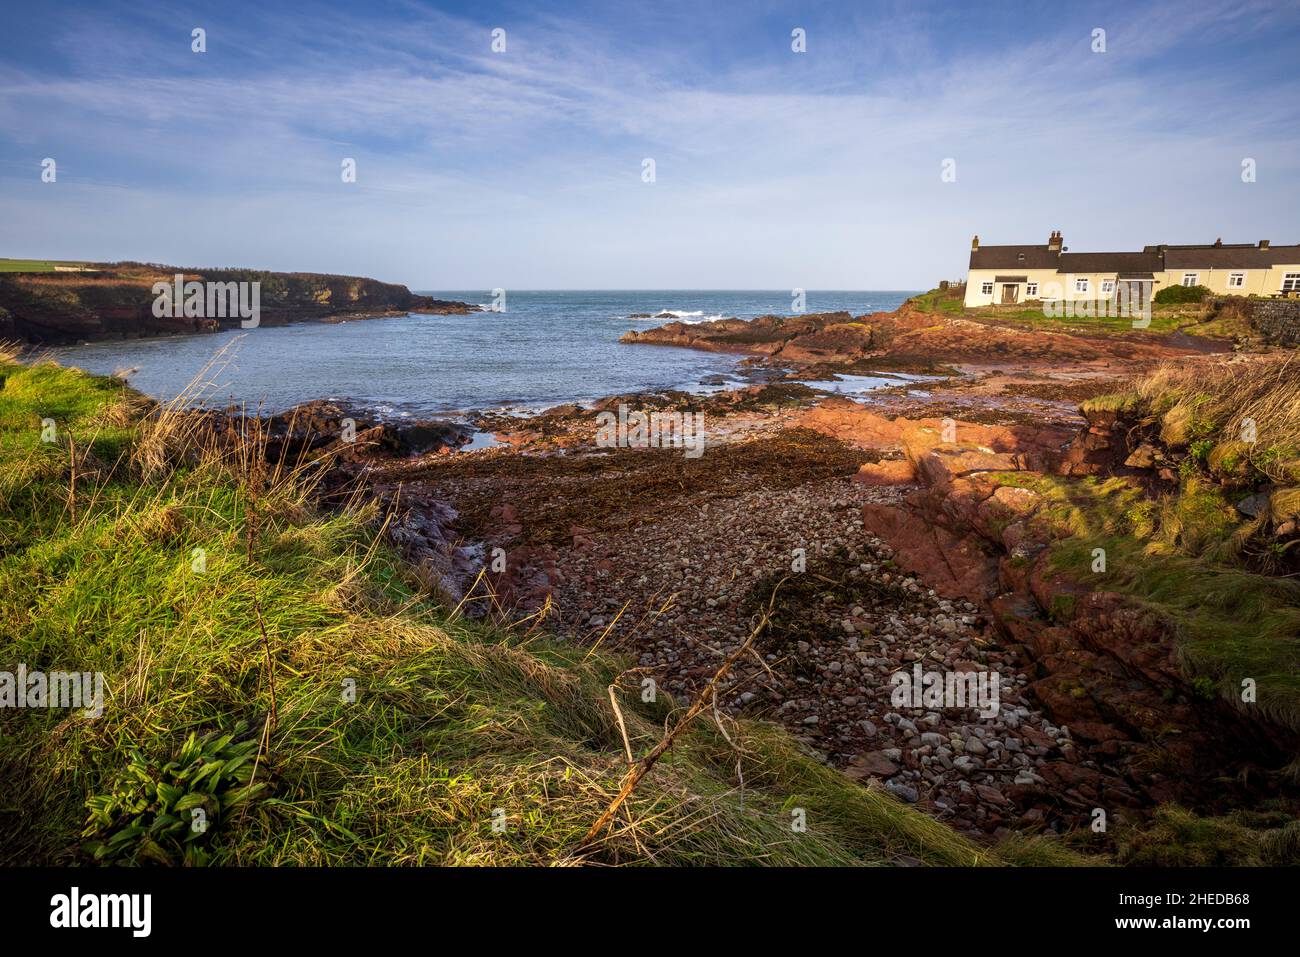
x: 522, y: 169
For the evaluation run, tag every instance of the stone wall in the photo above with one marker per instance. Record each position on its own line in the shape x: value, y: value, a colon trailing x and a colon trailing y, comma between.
x: 1277, y: 320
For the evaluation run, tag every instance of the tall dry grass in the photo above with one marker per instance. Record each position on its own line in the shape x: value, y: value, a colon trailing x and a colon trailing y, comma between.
x: 1248, y: 408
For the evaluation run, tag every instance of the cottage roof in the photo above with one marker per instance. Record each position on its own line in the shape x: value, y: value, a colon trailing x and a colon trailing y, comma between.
x: 1013, y: 257
x: 1229, y: 257
x: 1152, y: 259
x: 1110, y: 262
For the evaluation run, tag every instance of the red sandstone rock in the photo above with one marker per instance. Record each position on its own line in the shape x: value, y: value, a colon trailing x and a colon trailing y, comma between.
x: 871, y: 764
x: 954, y: 567
x: 907, y: 336
x: 940, y: 466
x: 888, y: 472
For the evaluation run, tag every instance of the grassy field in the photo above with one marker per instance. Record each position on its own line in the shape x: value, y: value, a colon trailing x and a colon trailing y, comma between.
x: 303, y: 690
x: 1164, y: 318
x: 35, y: 265
x: 947, y: 301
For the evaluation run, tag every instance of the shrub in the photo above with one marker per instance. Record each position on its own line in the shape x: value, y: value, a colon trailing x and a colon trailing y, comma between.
x: 1181, y: 294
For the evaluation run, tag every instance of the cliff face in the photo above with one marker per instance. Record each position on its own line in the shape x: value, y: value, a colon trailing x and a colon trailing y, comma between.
x: 117, y: 301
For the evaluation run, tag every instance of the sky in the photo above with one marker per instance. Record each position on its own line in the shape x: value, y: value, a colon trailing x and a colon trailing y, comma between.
x: 525, y: 168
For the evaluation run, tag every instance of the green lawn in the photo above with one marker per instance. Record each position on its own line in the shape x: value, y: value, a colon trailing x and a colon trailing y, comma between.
x: 1164, y: 318
x: 35, y: 265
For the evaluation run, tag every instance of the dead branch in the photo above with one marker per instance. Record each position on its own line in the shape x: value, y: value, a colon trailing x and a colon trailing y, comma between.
x: 634, y: 775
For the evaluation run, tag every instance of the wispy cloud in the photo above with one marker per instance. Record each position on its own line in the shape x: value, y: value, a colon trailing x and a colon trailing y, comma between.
x: 523, y: 169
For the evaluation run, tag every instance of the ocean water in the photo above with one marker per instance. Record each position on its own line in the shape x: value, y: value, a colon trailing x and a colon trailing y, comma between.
x: 544, y: 349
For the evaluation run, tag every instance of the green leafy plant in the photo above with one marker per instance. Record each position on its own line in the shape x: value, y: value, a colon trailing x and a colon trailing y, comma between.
x: 160, y: 814
x: 1179, y: 294
x: 1205, y: 687
x: 1142, y: 517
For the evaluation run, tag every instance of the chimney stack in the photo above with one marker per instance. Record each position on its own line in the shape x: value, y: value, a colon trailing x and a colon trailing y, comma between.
x: 975, y: 244
x: 1263, y: 244
x: 1054, y: 241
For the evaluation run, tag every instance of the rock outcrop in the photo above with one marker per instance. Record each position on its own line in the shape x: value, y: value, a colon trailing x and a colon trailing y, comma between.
x: 116, y: 302
x: 906, y: 338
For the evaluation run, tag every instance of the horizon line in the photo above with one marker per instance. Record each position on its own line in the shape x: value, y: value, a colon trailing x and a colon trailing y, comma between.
x: 784, y: 292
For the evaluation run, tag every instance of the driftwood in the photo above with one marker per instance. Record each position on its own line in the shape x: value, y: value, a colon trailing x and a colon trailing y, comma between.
x: 702, y: 701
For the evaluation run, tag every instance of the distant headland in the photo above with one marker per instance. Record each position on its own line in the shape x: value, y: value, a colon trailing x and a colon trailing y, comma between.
x: 54, y: 303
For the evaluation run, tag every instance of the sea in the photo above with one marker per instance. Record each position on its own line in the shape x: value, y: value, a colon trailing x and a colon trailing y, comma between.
x: 543, y: 349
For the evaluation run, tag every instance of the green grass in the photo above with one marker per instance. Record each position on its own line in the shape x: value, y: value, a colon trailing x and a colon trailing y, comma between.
x: 947, y: 301
x: 1110, y: 402
x: 1176, y: 837
x: 1164, y: 318
x: 35, y: 265
x: 1178, y: 556
x: 454, y: 724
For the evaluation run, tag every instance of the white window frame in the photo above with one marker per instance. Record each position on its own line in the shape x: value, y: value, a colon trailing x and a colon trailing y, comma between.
x: 1081, y: 285
x: 986, y: 288
x: 1193, y: 276
x: 1031, y: 290
x: 1107, y: 286
x: 1291, y: 282
x: 1236, y: 280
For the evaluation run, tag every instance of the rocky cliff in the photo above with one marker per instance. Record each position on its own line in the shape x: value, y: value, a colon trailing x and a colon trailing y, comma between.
x: 117, y: 299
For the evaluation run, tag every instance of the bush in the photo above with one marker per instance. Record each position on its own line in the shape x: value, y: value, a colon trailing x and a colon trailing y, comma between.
x: 1181, y: 294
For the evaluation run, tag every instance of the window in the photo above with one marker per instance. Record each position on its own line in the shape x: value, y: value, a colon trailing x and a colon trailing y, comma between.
x: 1291, y: 282
x: 986, y: 288
x: 1108, y: 286
x: 1189, y: 278
x: 1031, y: 289
x: 1236, y: 280
x: 1081, y: 285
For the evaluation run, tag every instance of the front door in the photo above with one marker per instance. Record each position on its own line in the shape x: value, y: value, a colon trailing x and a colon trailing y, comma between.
x: 1135, y: 297
x: 1009, y: 292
